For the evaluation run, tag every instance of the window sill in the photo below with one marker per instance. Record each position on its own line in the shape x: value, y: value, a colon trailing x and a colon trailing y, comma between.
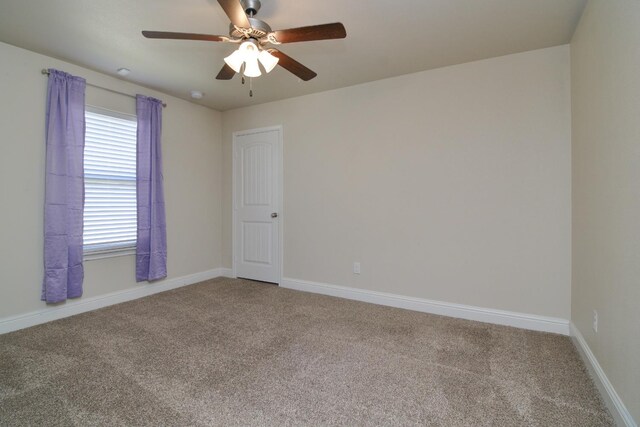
x: 109, y: 253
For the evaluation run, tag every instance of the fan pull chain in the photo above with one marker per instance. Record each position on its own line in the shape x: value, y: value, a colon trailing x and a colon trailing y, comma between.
x: 243, y: 66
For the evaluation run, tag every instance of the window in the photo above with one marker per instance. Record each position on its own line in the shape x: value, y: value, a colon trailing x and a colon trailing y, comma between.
x: 110, y: 207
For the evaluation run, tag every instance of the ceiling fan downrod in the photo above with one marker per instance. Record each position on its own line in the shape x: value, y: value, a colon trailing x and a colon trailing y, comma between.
x: 251, y: 7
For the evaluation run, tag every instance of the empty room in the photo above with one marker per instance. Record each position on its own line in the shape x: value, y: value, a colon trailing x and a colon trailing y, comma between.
x: 282, y: 212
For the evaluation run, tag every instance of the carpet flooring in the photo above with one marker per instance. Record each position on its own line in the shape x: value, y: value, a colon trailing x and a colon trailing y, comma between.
x: 235, y: 352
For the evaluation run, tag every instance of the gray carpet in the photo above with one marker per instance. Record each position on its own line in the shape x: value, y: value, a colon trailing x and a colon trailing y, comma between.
x: 234, y: 352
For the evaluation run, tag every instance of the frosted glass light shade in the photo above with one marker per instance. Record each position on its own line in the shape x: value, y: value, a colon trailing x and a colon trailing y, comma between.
x: 235, y: 60
x: 252, y: 69
x: 267, y: 60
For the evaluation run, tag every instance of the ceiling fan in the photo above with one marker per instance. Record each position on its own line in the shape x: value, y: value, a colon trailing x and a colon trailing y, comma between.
x: 254, y: 36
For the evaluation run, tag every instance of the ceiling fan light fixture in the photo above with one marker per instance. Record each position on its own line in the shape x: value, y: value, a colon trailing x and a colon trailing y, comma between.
x: 248, y: 53
x: 267, y: 60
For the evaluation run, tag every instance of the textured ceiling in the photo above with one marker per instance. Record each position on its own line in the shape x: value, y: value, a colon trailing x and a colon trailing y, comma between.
x: 385, y: 38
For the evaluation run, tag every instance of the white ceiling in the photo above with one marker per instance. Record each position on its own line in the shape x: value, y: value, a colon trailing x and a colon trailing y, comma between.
x: 385, y: 38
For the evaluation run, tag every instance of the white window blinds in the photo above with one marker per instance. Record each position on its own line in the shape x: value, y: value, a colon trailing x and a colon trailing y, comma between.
x: 110, y: 182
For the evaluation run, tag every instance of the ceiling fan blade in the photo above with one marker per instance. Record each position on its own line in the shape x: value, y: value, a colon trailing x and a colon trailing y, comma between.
x: 235, y: 12
x: 226, y: 73
x: 183, y: 36
x: 314, y: 32
x: 293, y: 66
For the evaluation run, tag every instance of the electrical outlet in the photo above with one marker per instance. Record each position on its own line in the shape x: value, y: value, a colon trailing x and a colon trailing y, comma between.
x: 595, y: 321
x: 356, y: 268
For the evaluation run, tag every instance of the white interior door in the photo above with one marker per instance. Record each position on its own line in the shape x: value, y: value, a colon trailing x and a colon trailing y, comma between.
x: 257, y: 188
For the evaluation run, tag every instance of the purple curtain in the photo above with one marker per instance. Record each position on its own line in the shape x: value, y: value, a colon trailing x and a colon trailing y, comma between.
x: 151, y: 249
x: 64, y: 188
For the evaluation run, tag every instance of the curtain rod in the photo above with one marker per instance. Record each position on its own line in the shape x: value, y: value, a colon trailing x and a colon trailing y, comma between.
x: 45, y: 71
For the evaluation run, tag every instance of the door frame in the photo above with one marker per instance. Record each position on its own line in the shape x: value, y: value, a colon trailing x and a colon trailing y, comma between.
x: 234, y: 234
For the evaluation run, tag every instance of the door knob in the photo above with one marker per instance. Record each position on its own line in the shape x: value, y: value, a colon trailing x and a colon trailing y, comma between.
x: 274, y: 215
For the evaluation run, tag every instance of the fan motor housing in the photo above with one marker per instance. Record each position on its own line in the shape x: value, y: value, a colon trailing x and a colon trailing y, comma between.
x: 258, y: 29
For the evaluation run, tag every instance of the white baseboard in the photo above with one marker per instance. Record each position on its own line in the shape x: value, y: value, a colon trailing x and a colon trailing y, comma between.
x: 73, y: 307
x: 499, y: 317
x: 617, y: 408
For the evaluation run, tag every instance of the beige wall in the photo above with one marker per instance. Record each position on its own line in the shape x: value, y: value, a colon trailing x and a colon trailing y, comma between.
x: 605, y: 63
x: 451, y: 184
x: 192, y: 169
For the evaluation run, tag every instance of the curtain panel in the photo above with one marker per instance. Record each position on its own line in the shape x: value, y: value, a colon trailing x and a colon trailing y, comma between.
x: 64, y: 187
x: 151, y: 246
